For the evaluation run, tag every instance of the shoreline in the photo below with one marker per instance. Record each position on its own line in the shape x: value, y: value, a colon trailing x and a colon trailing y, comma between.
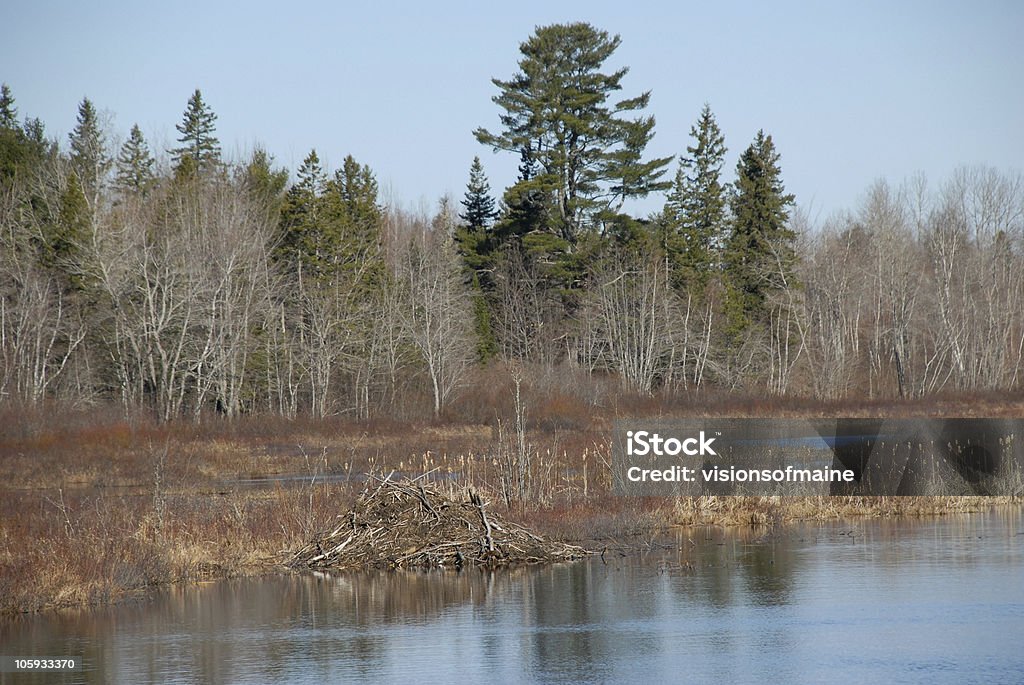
x: 97, y: 510
x: 626, y: 532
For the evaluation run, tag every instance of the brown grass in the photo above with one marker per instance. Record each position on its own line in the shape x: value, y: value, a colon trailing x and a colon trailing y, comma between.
x: 710, y: 509
x: 95, y: 508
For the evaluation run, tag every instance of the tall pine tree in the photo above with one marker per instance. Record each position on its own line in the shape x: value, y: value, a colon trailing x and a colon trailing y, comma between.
x: 301, y: 241
x: 559, y: 110
x: 476, y: 246
x: 89, y: 157
x: 331, y: 229
x: 16, y: 150
x: 265, y: 184
x: 759, y: 255
x: 200, y: 149
x: 479, y: 205
x: 352, y: 206
x: 472, y: 237
x: 8, y: 112
x: 135, y: 165
x: 694, y: 218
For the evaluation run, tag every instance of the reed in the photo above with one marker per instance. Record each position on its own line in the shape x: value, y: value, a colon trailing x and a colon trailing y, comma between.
x: 95, y: 508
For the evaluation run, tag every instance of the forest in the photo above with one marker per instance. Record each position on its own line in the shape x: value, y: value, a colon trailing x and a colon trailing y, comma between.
x: 181, y: 284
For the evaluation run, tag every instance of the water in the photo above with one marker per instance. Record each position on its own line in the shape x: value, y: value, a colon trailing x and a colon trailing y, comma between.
x: 935, y: 600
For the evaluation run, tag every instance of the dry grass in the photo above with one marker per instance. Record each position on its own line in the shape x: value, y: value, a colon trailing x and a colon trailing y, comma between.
x: 95, y: 508
x: 711, y: 509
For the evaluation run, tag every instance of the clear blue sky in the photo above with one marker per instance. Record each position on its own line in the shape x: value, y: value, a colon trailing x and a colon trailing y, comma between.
x: 850, y: 91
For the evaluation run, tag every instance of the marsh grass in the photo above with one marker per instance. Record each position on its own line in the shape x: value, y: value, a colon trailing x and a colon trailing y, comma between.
x: 95, y: 508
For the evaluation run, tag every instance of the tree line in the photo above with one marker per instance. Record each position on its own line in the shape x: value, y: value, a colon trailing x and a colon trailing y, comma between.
x: 181, y: 283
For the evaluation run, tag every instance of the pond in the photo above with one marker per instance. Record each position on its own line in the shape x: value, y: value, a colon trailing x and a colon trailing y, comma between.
x: 937, y: 600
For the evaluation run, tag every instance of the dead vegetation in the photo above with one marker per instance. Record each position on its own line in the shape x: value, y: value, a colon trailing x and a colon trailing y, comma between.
x: 95, y: 508
x: 405, y: 524
x: 751, y: 510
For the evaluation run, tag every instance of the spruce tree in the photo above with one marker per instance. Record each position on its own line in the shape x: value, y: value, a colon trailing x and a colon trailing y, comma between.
x: 759, y: 255
x: 135, y: 165
x: 200, y: 149
x: 472, y: 237
x: 479, y: 205
x: 352, y: 222
x: 89, y: 157
x: 265, y: 184
x: 476, y: 246
x: 21, y: 147
x: 332, y: 228
x: 8, y: 112
x: 300, y: 243
x: 354, y: 188
x: 16, y: 151
x: 64, y: 237
x: 694, y: 216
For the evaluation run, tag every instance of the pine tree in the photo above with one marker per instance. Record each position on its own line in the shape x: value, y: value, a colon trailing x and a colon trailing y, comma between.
x: 354, y: 218
x: 529, y: 204
x: 89, y: 157
x: 8, y: 112
x: 199, y: 145
x: 472, y: 237
x: 694, y: 216
x: 135, y: 165
x: 760, y: 255
x: 265, y: 184
x: 529, y: 225
x: 355, y: 188
x: 64, y: 237
x: 479, y: 204
x: 333, y: 227
x: 557, y: 110
x: 16, y: 149
x: 476, y: 244
x: 301, y: 242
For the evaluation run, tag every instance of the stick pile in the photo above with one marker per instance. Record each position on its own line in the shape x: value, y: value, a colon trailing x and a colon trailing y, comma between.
x: 406, y: 525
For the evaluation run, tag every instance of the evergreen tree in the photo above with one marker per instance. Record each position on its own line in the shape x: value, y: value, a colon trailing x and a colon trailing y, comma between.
x: 135, y: 165
x: 486, y: 343
x: 312, y: 180
x: 557, y: 111
x: 356, y: 218
x: 528, y: 204
x: 265, y: 184
x: 19, y: 147
x: 479, y: 204
x: 354, y: 193
x: 759, y: 256
x: 694, y: 217
x: 472, y: 237
x: 199, y: 145
x: 333, y: 227
x: 89, y: 157
x: 63, y: 237
x: 8, y: 112
x: 301, y: 242
x: 475, y: 246
x: 529, y: 225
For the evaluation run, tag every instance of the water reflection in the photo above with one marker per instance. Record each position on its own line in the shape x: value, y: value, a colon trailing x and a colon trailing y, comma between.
x: 936, y: 600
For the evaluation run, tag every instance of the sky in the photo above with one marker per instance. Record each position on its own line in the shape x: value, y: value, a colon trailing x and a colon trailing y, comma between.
x: 851, y: 92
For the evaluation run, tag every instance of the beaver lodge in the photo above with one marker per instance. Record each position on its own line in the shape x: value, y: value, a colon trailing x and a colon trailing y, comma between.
x: 404, y: 524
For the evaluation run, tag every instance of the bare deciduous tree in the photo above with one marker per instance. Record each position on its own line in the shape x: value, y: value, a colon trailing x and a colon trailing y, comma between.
x: 437, y: 313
